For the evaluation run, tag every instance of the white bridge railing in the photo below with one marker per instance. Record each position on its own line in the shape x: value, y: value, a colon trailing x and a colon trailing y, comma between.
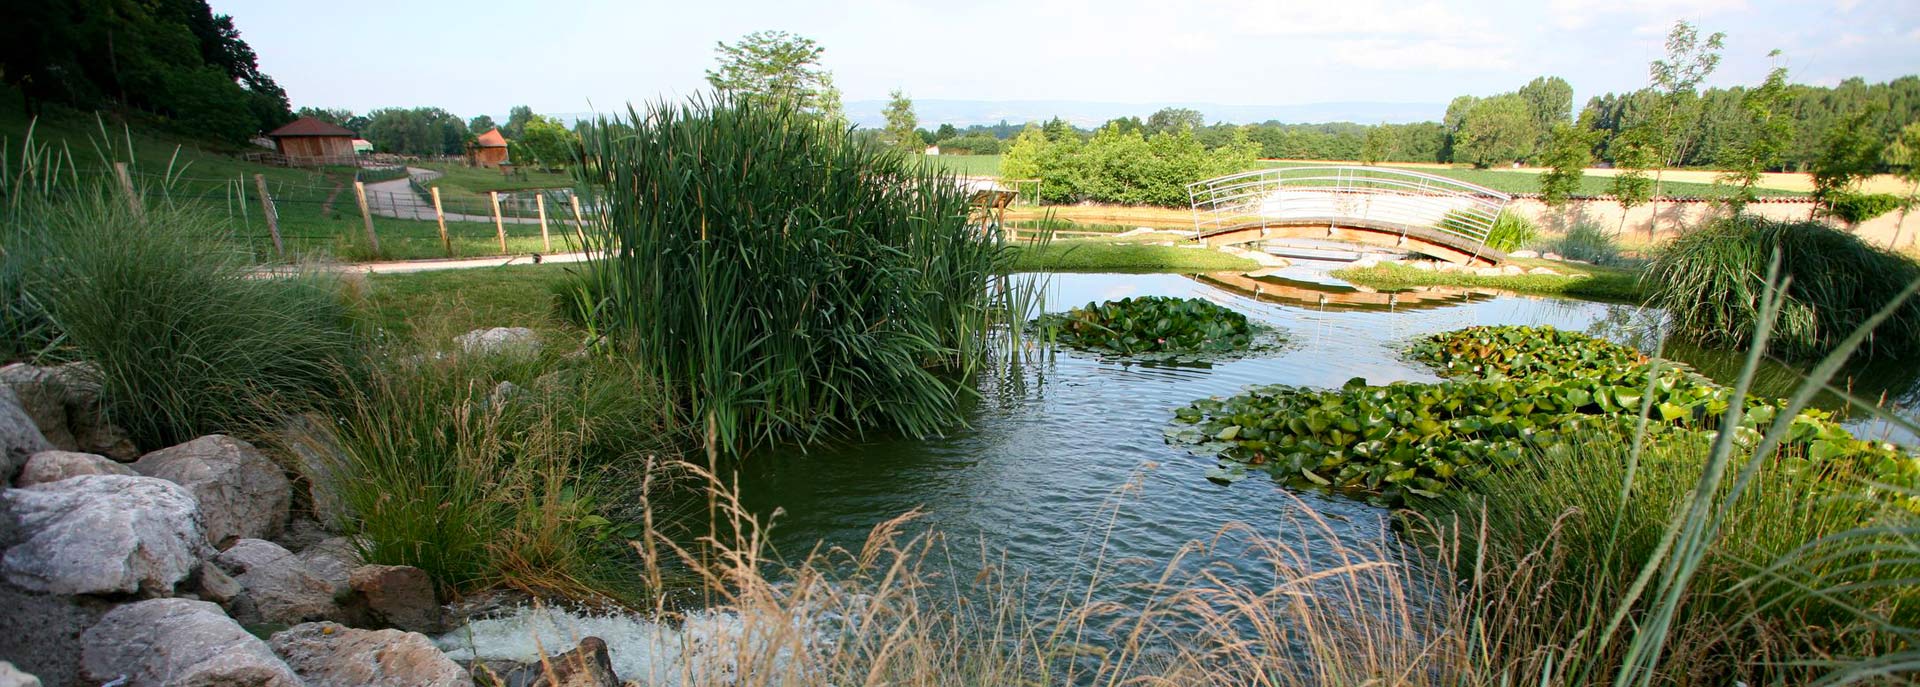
x: 1376, y: 195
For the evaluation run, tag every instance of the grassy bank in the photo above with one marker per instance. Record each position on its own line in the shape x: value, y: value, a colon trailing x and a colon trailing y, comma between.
x: 469, y: 186
x: 1590, y: 282
x: 1103, y: 255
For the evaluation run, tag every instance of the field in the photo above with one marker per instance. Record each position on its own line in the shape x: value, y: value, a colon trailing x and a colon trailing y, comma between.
x: 1678, y: 182
x: 469, y: 185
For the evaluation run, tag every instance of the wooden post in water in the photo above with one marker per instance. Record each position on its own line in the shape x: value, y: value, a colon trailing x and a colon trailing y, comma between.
x: 126, y: 186
x: 445, y: 243
x: 499, y: 225
x: 366, y: 217
x: 266, y: 208
x: 579, y: 222
x: 540, y: 203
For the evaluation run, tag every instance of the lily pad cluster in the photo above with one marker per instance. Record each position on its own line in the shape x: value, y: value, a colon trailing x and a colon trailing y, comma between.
x: 1403, y: 442
x: 1516, y: 351
x: 1157, y: 325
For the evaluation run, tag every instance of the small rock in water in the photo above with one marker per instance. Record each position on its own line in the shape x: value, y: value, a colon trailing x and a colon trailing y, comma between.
x: 103, y: 534
x: 242, y: 494
x: 587, y: 665
x: 53, y: 466
x: 333, y: 655
x: 163, y: 642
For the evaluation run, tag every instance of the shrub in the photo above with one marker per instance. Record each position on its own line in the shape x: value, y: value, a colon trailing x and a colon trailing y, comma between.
x: 784, y: 281
x: 186, y: 337
x: 1710, y: 281
x: 1854, y: 208
x: 1509, y: 231
x: 1154, y: 324
x: 1586, y: 241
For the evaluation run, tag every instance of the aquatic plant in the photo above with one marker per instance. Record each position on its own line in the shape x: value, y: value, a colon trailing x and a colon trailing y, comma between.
x: 1156, y: 324
x: 1710, y: 281
x: 784, y: 280
x: 1509, y: 231
x: 1537, y: 388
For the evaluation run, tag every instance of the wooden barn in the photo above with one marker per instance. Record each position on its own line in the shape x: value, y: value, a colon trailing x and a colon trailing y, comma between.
x: 489, y: 150
x: 308, y: 141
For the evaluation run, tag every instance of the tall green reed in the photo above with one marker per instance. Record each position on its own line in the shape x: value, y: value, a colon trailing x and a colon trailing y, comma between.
x: 784, y: 279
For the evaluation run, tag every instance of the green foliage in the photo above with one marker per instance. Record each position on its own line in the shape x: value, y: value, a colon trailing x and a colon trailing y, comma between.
x: 1568, y: 152
x: 780, y: 66
x: 1510, y: 231
x: 544, y: 141
x: 1121, y: 166
x: 970, y: 145
x: 1496, y: 131
x: 1409, y: 441
x: 186, y: 338
x: 901, y: 123
x: 787, y: 282
x: 500, y: 470
x: 1585, y: 241
x: 1549, y: 104
x: 1100, y: 255
x: 1854, y: 208
x: 1173, y: 119
x: 1154, y: 324
x: 1709, y: 282
x: 424, y: 131
x: 1634, y: 151
x: 1765, y: 136
x: 1378, y: 146
x: 1849, y: 152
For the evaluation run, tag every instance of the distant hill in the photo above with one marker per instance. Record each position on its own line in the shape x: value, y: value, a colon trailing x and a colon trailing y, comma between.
x: 934, y: 112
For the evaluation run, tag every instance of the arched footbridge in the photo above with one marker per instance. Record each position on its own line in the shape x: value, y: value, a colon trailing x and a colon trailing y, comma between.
x: 1432, y: 215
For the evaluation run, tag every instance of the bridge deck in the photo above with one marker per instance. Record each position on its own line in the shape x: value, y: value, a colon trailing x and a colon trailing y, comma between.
x: 1424, y: 240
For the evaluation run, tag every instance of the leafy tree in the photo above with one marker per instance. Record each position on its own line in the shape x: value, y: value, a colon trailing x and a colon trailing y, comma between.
x: 481, y: 124
x: 1378, y: 146
x: 779, y: 65
x: 1496, y: 130
x: 1634, y: 151
x: 1689, y: 61
x: 1849, y: 152
x: 901, y: 122
x: 1035, y: 154
x: 1127, y: 125
x: 1768, y: 130
x: 1569, y: 150
x: 1903, y: 157
x: 1171, y: 118
x: 547, y: 142
x: 416, y: 131
x: 1549, y: 103
x: 945, y: 132
x: 339, y: 116
x: 517, y: 120
x: 1455, y: 120
x: 827, y: 104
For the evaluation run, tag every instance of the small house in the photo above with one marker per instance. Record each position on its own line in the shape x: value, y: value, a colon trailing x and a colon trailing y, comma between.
x: 489, y: 150
x: 311, y: 142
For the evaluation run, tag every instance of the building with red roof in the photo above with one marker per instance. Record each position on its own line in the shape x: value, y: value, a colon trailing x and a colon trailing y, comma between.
x: 488, y: 150
x: 311, y: 142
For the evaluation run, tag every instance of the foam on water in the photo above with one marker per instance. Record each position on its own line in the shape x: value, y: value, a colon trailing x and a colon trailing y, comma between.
x: 655, y: 653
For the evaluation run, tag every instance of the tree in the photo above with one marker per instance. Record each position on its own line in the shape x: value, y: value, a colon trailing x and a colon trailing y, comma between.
x: 776, y: 65
x: 1767, y: 131
x: 1378, y: 146
x: 1634, y: 151
x: 1495, y: 130
x: 901, y: 122
x: 1849, y: 152
x: 1455, y: 119
x: 481, y: 124
x: 1127, y: 124
x: 945, y: 132
x: 1171, y: 118
x: 1689, y: 61
x: 827, y: 103
x: 1569, y: 150
x: 1549, y: 103
x: 1903, y: 157
x: 416, y: 131
x: 546, y: 141
x: 517, y: 120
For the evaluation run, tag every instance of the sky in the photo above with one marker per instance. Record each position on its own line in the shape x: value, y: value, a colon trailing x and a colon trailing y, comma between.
x: 484, y: 56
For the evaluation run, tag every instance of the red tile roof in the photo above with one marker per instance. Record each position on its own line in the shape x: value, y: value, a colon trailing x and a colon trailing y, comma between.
x: 308, y: 126
x: 491, y: 139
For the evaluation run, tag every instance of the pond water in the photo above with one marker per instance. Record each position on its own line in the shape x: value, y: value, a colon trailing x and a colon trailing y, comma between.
x: 1063, y: 467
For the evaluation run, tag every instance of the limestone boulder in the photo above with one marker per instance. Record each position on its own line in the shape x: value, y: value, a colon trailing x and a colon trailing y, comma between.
x: 167, y: 642
x: 277, y: 585
x: 242, y: 494
x: 14, y: 677
x: 500, y: 341
x: 318, y: 458
x: 53, y: 466
x: 587, y: 665
x: 398, y: 596
x: 103, y: 534
x: 20, y: 438
x: 333, y: 559
x: 1524, y: 254
x: 1543, y: 270
x: 332, y: 655
x: 64, y: 401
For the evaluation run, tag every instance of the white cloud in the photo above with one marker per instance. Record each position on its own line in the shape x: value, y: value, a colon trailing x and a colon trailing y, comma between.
x: 1420, y: 55
x: 1575, y: 14
x: 1350, y: 18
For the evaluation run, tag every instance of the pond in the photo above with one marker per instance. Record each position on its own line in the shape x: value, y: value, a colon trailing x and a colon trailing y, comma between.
x: 1063, y: 473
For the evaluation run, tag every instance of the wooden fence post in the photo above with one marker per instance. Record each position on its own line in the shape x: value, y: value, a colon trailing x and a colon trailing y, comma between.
x: 445, y: 243
x: 126, y: 186
x: 579, y: 222
x: 267, y: 209
x: 366, y: 216
x: 245, y: 219
x: 499, y: 225
x: 540, y: 202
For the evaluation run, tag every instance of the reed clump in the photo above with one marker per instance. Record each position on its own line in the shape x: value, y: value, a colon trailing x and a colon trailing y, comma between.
x: 783, y: 279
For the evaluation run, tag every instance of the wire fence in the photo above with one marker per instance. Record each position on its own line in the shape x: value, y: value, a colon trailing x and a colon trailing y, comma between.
x: 293, y: 217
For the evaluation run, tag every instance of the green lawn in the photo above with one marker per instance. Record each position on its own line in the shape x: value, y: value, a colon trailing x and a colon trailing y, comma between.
x: 968, y: 165
x: 1590, y: 282
x: 468, y: 186
x: 462, y: 300
x: 1102, y: 255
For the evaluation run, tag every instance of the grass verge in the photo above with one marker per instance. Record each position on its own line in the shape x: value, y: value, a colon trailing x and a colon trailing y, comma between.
x: 1101, y: 255
x: 1589, y: 282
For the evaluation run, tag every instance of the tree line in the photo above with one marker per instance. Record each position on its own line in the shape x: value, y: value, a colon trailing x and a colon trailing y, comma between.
x: 172, y: 59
